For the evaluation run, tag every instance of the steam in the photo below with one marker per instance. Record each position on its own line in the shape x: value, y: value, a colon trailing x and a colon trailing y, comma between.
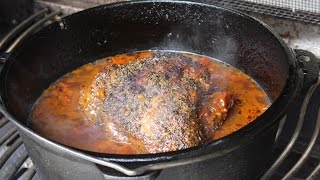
x: 216, y: 44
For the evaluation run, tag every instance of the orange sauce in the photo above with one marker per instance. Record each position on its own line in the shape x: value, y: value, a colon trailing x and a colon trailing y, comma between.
x: 56, y: 115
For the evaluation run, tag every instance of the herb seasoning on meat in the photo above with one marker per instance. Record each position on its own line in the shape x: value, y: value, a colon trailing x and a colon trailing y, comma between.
x: 147, y: 102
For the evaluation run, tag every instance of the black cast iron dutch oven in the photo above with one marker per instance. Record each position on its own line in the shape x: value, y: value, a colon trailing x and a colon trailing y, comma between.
x: 230, y: 36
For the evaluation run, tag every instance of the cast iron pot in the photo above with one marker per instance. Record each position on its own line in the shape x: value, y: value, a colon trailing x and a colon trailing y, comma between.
x: 112, y: 29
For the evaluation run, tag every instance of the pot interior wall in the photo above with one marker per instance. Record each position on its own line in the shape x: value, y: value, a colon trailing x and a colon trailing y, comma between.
x: 108, y: 30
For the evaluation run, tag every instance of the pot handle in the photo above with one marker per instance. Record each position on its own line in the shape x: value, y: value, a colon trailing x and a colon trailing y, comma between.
x: 150, y: 175
x: 309, y: 65
x: 145, y: 169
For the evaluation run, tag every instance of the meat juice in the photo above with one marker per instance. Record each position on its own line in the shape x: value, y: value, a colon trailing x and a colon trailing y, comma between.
x: 63, y: 112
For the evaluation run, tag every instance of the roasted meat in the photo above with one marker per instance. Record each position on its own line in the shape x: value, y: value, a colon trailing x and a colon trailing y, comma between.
x: 166, y: 101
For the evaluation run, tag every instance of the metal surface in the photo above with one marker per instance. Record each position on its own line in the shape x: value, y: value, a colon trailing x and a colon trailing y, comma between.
x: 13, y: 155
x: 3, y: 121
x: 297, y: 34
x: 30, y: 172
x: 31, y: 30
x: 295, y: 136
x: 13, y: 12
x: 280, y: 128
x: 10, y: 150
x: 188, y: 156
x: 20, y: 28
x: 306, y: 11
x: 308, y: 150
x: 7, y: 134
x: 315, y: 173
x: 311, y: 6
x: 10, y: 141
x: 16, y: 166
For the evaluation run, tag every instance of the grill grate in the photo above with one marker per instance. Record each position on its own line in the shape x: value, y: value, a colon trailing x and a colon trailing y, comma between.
x: 301, y: 10
x: 14, y: 160
x: 312, y: 6
x: 13, y: 154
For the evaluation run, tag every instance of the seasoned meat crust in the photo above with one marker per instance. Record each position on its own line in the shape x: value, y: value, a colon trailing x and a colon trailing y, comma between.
x: 166, y: 101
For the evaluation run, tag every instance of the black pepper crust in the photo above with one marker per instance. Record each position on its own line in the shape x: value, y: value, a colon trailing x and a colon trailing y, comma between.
x: 156, y: 100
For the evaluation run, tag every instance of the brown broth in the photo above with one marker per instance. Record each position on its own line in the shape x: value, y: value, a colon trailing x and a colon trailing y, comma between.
x: 56, y: 114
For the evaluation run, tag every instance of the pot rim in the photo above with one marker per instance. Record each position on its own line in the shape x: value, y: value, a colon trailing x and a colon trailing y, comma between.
x: 232, y: 141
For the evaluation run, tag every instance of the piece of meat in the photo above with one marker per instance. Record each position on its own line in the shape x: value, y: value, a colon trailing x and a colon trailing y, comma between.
x: 214, y: 111
x: 163, y: 101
